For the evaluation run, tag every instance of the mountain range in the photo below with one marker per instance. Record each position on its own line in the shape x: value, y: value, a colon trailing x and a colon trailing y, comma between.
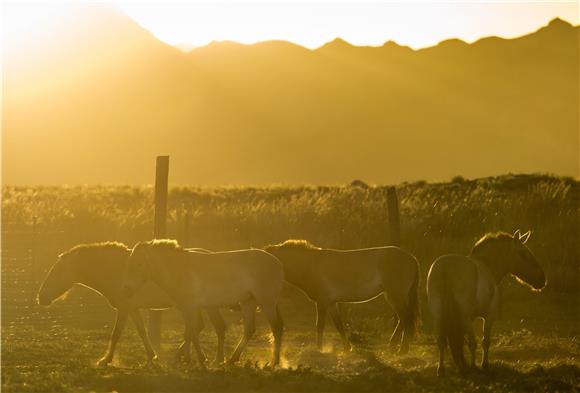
x: 97, y: 97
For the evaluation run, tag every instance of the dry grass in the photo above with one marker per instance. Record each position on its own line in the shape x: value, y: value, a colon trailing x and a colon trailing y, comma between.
x: 536, y: 345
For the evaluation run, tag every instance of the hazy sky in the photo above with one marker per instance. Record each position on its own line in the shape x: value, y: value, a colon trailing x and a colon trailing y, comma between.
x: 311, y: 23
x: 314, y: 22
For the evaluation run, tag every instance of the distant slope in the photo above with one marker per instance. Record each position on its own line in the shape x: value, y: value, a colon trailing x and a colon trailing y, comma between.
x: 111, y: 96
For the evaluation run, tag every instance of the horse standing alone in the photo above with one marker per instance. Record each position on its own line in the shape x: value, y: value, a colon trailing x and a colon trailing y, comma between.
x: 330, y: 276
x: 461, y: 288
x: 101, y: 267
x: 248, y: 278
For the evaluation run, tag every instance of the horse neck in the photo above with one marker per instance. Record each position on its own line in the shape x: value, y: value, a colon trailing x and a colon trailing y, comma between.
x: 298, y: 268
x: 104, y: 274
x: 490, y: 257
x: 167, y: 273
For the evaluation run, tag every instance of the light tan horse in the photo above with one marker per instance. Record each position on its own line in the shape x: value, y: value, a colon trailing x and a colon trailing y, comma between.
x: 462, y: 288
x: 102, y: 268
x: 248, y: 278
x: 330, y: 276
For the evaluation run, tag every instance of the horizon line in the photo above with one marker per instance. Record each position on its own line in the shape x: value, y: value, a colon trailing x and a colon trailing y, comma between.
x: 181, y: 45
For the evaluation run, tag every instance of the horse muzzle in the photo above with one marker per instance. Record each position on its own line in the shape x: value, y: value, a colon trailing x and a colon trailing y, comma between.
x: 538, y: 286
x: 42, y: 301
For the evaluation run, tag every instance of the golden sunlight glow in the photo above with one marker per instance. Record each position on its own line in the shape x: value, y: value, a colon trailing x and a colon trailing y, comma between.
x: 309, y: 23
x: 313, y: 23
x: 23, y: 20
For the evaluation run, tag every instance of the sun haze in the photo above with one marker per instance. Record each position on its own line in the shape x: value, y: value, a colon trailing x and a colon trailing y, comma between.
x: 313, y: 23
x: 417, y: 24
x: 85, y: 82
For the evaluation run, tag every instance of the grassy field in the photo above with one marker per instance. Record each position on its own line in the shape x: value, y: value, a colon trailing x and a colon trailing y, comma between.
x: 536, y: 345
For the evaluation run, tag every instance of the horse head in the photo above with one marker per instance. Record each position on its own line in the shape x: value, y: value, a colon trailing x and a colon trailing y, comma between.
x: 58, y: 282
x: 525, y: 266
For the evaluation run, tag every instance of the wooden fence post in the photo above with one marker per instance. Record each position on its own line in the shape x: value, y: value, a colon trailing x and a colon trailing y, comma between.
x: 186, y: 227
x: 393, y: 216
x: 161, y: 186
x: 34, y: 268
x: 159, y: 232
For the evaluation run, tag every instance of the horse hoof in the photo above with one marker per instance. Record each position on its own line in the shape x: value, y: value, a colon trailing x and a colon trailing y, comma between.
x: 103, y: 362
x: 218, y: 362
x: 182, y: 359
x: 153, y: 362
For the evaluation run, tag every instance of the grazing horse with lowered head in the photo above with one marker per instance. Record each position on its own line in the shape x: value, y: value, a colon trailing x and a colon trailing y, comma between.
x: 462, y: 288
x: 102, y: 268
x: 330, y: 276
x: 248, y: 278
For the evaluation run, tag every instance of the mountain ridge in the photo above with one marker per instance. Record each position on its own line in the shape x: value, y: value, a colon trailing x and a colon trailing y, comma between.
x: 276, y: 112
x: 555, y: 23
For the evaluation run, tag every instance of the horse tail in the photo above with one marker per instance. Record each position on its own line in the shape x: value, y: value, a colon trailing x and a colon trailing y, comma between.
x: 451, y: 322
x: 279, y: 316
x: 413, y: 311
x: 154, y: 328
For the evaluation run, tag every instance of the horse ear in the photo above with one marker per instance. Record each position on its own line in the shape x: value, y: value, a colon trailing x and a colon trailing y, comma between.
x: 517, y: 234
x: 525, y: 237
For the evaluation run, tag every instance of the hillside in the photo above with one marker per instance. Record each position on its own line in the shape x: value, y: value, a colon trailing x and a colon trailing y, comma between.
x: 96, y: 108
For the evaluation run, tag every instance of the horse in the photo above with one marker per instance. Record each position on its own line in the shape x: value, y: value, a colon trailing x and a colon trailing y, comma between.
x: 463, y: 288
x: 329, y: 276
x: 101, y: 267
x: 248, y: 278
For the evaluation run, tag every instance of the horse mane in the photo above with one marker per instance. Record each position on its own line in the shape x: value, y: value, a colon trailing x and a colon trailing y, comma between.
x: 295, y: 244
x: 168, y: 244
x: 479, y: 251
x: 490, y: 237
x: 104, y: 246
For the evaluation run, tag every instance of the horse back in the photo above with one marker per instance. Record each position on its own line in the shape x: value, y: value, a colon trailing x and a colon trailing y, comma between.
x: 358, y: 275
x: 253, y: 267
x: 456, y: 275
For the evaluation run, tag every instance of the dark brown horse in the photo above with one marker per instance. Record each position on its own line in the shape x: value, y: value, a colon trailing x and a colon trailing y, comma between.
x: 462, y: 288
x: 330, y: 276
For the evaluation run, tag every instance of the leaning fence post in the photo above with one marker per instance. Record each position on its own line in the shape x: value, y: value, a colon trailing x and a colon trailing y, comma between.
x: 393, y: 216
x: 34, y: 273
x: 159, y: 232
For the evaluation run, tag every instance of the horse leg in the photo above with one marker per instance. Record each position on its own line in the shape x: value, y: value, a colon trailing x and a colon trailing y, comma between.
x: 320, y: 321
x: 249, y: 318
x: 487, y: 324
x: 140, y: 325
x: 192, y: 323
x: 336, y: 318
x: 441, y: 344
x: 399, y: 335
x: 115, y: 335
x: 184, y: 350
x: 220, y: 328
x: 272, y: 313
x: 471, y: 343
x: 155, y: 321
